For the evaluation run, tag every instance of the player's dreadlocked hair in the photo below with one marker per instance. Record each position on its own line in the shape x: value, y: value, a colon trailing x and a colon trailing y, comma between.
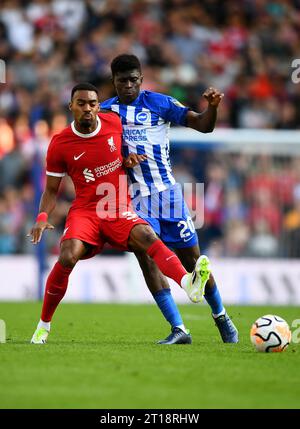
x: 124, y: 62
x: 84, y: 86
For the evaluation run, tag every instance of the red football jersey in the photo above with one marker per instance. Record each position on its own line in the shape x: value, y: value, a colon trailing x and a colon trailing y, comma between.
x: 95, y: 164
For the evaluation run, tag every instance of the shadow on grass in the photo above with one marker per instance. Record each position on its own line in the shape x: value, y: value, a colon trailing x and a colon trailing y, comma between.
x: 83, y: 343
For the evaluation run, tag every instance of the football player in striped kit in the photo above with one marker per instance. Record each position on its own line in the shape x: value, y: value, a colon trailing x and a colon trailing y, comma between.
x: 146, y: 117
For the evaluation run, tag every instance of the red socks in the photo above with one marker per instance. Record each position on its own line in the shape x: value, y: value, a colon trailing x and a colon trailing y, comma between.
x: 167, y: 261
x: 56, y: 287
x: 57, y: 281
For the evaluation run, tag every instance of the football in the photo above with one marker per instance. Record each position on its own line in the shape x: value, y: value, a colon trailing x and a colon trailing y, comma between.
x: 270, y: 333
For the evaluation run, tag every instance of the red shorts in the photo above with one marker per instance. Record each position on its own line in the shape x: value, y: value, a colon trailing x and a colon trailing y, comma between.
x: 86, y: 226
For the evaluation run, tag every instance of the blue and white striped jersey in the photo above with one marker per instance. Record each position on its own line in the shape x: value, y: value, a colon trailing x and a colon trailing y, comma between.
x: 146, y: 123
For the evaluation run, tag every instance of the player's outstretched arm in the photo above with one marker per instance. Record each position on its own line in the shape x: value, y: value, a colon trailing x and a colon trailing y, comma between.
x: 205, y: 121
x: 133, y: 159
x: 47, y: 204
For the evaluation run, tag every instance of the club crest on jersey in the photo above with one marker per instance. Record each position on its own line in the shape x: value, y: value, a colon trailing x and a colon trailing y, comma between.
x: 111, y: 143
x: 143, y: 117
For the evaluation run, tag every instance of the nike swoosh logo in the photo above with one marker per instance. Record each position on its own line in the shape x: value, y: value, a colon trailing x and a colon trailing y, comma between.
x: 188, y: 239
x: 77, y: 157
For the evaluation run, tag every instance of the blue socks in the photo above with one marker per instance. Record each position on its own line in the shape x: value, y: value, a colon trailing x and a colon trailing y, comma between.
x: 169, y: 309
x: 167, y: 306
x: 213, y: 298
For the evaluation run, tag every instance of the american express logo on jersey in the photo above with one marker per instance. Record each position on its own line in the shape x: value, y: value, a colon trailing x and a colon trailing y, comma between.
x: 135, y: 135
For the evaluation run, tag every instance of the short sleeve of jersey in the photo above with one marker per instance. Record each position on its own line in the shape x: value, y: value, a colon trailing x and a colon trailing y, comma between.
x: 168, y: 108
x: 54, y: 163
x: 106, y: 104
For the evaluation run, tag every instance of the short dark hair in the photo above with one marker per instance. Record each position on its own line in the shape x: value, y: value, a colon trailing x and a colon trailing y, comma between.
x: 125, y: 62
x: 84, y: 86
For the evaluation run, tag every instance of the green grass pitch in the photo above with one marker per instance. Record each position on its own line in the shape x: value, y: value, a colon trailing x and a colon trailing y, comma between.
x: 105, y: 357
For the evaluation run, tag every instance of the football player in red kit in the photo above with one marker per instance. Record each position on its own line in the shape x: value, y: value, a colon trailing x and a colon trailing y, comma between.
x: 89, y: 151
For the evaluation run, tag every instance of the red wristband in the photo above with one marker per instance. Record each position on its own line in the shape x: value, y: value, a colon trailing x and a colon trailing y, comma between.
x: 42, y: 217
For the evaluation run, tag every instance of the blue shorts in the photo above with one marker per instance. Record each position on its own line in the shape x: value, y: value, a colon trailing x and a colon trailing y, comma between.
x: 169, y: 216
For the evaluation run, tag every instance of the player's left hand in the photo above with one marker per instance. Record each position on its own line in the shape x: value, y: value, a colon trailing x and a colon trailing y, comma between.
x: 213, y: 96
x: 134, y: 159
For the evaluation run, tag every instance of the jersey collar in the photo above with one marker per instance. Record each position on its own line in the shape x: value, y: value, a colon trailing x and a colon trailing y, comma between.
x: 135, y: 102
x: 86, y: 136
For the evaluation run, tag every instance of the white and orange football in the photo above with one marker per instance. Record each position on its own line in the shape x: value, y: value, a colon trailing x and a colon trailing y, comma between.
x: 270, y: 333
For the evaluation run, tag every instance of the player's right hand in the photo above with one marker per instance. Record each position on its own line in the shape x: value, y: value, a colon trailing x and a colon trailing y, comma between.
x: 37, y: 230
x: 134, y: 159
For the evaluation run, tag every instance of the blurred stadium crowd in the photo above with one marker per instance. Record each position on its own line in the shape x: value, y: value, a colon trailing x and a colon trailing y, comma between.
x: 245, y: 49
